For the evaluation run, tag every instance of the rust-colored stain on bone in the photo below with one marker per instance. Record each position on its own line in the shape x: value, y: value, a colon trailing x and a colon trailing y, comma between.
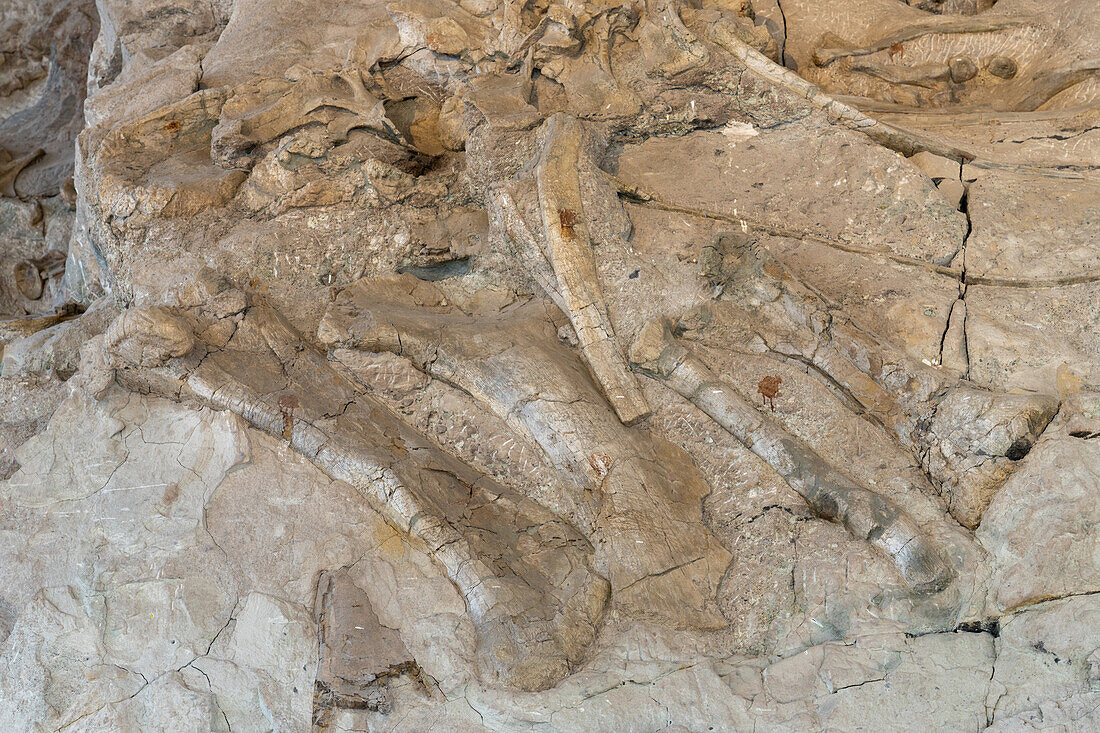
x: 287, y: 403
x: 567, y: 218
x: 172, y: 127
x: 769, y: 389
x: 601, y: 464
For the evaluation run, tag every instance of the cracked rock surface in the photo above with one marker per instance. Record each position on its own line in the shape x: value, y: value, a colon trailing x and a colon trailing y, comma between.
x: 500, y: 365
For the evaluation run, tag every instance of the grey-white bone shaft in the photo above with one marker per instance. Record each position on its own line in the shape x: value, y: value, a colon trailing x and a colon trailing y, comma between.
x: 830, y: 493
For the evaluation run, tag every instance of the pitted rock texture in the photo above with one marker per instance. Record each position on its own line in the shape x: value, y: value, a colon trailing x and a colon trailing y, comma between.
x: 481, y: 365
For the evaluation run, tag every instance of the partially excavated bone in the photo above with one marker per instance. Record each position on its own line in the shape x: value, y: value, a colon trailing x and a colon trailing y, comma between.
x: 906, y: 142
x: 524, y: 573
x: 12, y: 329
x: 10, y: 168
x: 264, y: 110
x: 570, y: 253
x: 31, y: 275
x: 966, y: 439
x: 173, y: 174
x: 638, y: 487
x: 829, y: 492
x: 318, y: 409
x: 924, y: 75
x: 1002, y: 67
x: 689, y: 53
x: 941, y: 26
x: 28, y: 279
x: 148, y: 337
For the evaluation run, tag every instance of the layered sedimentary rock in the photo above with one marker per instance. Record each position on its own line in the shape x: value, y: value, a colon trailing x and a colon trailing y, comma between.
x: 476, y: 365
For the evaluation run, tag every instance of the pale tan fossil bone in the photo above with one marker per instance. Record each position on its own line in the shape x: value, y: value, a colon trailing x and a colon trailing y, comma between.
x: 31, y: 275
x: 265, y: 109
x: 148, y: 336
x: 906, y: 142
x: 523, y: 245
x: 12, y: 329
x: 10, y: 168
x: 570, y: 253
x: 966, y: 439
x: 691, y: 54
x: 524, y: 573
x: 1049, y: 82
x: 940, y: 26
x: 829, y: 492
x: 159, y: 165
x: 925, y: 75
x: 644, y: 494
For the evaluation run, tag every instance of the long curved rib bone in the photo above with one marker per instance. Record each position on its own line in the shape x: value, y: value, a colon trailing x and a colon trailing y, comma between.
x: 574, y: 263
x: 645, y: 494
x: 524, y: 573
x: 830, y: 493
x: 966, y: 439
x: 905, y: 142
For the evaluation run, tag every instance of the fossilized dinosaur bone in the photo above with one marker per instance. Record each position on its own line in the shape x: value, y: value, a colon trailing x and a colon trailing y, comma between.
x: 12, y: 329
x: 830, y: 493
x: 905, y: 142
x: 1048, y: 82
x: 645, y: 515
x: 266, y: 109
x: 942, y: 25
x: 523, y: 572
x: 965, y: 438
x: 691, y: 53
x: 148, y: 336
x: 574, y: 264
x: 10, y: 168
x: 159, y: 164
x: 895, y: 392
x: 925, y: 75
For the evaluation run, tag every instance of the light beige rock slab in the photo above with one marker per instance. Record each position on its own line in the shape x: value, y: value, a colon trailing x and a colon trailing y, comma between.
x: 937, y: 167
x: 51, y: 667
x: 263, y: 531
x: 1046, y: 655
x: 1041, y: 528
x: 855, y: 192
x: 1028, y: 229
x: 1038, y: 339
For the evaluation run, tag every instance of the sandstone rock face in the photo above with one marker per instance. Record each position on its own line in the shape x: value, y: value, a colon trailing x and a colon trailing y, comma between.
x: 466, y: 365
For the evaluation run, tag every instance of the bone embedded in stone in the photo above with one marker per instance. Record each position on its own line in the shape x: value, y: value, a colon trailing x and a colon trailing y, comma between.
x: 533, y: 596
x: 494, y: 365
x: 636, y: 486
x: 148, y: 336
x: 570, y: 253
x: 831, y: 494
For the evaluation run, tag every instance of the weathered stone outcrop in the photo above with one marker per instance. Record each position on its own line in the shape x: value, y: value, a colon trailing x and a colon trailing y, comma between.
x: 485, y: 365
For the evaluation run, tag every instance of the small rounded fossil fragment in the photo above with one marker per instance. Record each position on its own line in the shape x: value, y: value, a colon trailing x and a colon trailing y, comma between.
x: 1003, y: 67
x: 148, y: 336
x: 28, y: 279
x: 962, y: 69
